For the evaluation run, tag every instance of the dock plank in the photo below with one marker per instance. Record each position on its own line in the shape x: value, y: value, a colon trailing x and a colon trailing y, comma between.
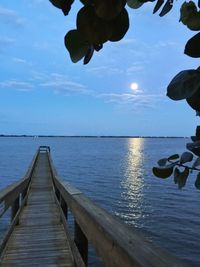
x: 39, y: 239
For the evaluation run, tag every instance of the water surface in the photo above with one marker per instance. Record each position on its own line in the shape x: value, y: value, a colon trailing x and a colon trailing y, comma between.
x: 116, y: 174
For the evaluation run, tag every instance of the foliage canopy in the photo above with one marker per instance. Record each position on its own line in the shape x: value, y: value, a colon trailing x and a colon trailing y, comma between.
x: 100, y: 21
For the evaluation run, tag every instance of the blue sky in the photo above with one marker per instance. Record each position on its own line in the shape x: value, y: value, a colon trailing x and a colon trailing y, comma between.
x: 43, y: 92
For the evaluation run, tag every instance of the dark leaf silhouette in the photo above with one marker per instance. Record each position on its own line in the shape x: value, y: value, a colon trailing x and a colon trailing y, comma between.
x: 88, y: 55
x: 192, y: 47
x: 158, y: 6
x: 65, y: 5
x: 184, y: 85
x: 76, y: 45
x: 167, y: 7
x: 197, y: 182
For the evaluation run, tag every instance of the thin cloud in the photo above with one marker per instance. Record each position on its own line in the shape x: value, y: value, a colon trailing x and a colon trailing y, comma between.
x: 105, y: 70
x: 60, y: 84
x: 137, y: 67
x: 9, y: 16
x: 19, y: 60
x: 6, y: 40
x: 135, y: 100
x: 17, y: 85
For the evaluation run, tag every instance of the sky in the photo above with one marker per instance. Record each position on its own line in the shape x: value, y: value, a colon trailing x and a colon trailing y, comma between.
x: 43, y: 92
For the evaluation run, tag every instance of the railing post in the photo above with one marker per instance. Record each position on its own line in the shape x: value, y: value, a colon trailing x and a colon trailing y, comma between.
x: 14, y: 209
x: 64, y: 206
x: 57, y: 192
x: 24, y: 195
x: 81, y: 242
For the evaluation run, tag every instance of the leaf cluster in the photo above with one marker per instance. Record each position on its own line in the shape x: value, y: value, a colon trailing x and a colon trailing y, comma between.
x: 100, y: 21
x: 176, y: 165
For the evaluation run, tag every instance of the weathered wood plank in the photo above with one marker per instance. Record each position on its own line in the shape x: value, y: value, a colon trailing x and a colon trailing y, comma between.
x: 39, y: 239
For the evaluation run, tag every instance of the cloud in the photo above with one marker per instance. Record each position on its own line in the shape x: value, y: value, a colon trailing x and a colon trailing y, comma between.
x: 60, y: 84
x: 19, y: 60
x: 136, y: 101
x: 17, y: 85
x: 105, y: 70
x: 9, y: 16
x: 6, y: 40
x: 136, y: 67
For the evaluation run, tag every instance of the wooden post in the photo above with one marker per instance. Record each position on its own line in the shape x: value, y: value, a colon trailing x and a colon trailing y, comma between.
x: 64, y: 206
x: 81, y: 242
x: 24, y: 195
x: 57, y: 192
x: 15, y: 208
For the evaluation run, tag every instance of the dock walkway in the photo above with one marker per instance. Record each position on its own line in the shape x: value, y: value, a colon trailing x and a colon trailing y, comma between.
x: 39, y: 239
x: 38, y: 233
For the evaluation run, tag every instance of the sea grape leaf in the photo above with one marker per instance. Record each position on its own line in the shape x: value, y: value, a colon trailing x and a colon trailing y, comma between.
x: 86, y: 2
x: 88, y: 55
x: 76, y: 45
x: 176, y: 174
x: 94, y: 29
x: 65, y: 5
x: 182, y: 178
x: 98, y: 47
x: 158, y: 6
x: 108, y: 9
x: 197, y: 182
x: 167, y: 7
x: 186, y: 157
x: 190, y: 16
x: 192, y: 47
x: 184, y: 85
x: 173, y: 157
x: 193, y: 101
x: 119, y: 26
x: 134, y: 3
x: 196, y: 163
x: 163, y: 172
x: 194, y: 147
x: 162, y: 162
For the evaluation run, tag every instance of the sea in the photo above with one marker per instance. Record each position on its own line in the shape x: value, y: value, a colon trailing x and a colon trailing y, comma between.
x: 116, y: 173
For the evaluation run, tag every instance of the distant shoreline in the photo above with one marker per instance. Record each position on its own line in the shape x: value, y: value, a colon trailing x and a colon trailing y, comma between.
x: 89, y: 136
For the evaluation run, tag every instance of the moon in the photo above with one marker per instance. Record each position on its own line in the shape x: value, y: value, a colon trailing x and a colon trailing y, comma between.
x: 134, y: 86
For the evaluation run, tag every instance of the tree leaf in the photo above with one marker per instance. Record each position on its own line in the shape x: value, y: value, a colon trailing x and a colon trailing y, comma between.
x: 182, y: 178
x: 94, y: 29
x: 186, y: 157
x: 196, y: 163
x: 158, y: 6
x: 88, y: 55
x: 98, y: 47
x: 197, y: 182
x: 76, y: 45
x: 194, y: 147
x: 176, y: 174
x: 108, y: 9
x: 173, y: 157
x: 119, y: 26
x: 167, y: 7
x: 134, y: 3
x: 193, y: 101
x: 192, y: 47
x: 190, y: 16
x: 184, y: 85
x: 162, y: 162
x: 65, y: 5
x: 163, y: 172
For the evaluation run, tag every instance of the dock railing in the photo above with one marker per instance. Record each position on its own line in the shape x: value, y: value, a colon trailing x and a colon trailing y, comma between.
x: 116, y: 243
x: 14, y: 196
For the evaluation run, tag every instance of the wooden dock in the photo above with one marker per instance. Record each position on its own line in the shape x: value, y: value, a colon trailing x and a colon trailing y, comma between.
x: 38, y: 234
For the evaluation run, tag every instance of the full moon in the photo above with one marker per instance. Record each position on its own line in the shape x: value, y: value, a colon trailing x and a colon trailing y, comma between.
x: 134, y: 86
